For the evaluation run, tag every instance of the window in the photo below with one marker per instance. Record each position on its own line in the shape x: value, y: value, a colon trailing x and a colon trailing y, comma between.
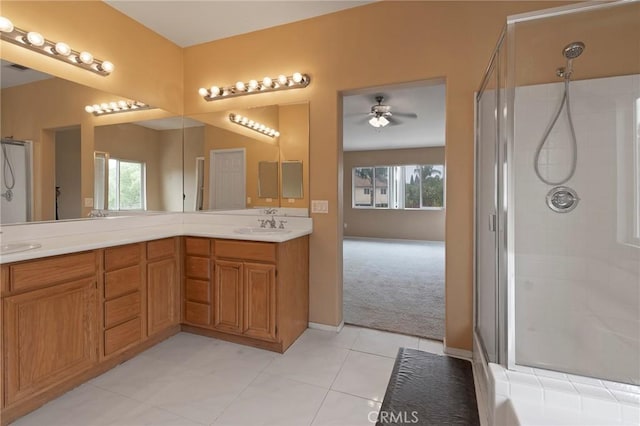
x: 399, y: 187
x: 127, y: 185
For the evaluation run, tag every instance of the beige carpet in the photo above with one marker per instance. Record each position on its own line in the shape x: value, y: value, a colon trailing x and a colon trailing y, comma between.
x: 395, y: 286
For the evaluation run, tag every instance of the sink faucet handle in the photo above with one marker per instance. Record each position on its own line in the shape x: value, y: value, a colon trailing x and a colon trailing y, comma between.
x: 262, y: 223
x: 282, y: 222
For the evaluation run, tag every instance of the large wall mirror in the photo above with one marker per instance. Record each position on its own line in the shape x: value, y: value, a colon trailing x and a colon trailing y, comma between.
x: 228, y: 166
x: 58, y: 162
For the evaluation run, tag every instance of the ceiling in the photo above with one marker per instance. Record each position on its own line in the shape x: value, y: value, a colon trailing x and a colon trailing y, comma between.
x: 187, y: 23
x: 12, y: 76
x: 427, y: 101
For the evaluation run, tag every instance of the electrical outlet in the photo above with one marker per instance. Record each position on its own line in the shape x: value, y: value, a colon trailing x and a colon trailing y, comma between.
x: 248, y: 200
x: 291, y: 200
x: 88, y: 202
x: 320, y: 206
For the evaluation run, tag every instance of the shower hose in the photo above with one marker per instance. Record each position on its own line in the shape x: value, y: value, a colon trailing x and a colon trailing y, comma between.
x: 574, y: 144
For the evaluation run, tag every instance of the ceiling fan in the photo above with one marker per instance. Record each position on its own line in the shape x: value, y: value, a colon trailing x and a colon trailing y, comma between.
x: 381, y: 115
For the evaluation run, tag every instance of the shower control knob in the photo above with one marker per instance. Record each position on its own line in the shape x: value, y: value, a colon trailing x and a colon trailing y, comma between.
x: 8, y: 194
x: 562, y: 199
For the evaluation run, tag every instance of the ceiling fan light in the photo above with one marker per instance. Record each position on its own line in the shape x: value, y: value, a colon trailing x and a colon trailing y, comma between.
x: 382, y: 121
x: 374, y: 122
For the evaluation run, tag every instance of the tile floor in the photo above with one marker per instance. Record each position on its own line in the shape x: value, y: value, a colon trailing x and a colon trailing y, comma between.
x: 325, y: 378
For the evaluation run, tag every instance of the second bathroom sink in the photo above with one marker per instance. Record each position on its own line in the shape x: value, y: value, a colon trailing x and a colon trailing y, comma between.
x: 18, y: 247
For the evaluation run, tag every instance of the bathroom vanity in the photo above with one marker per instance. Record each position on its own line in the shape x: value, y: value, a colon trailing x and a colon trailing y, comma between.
x: 69, y: 317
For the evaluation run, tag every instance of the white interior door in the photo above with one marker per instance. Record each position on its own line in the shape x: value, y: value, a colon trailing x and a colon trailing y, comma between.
x: 227, y: 190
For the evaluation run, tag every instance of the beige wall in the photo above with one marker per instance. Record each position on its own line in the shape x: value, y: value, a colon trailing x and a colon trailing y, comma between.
x: 422, y: 40
x: 171, y: 190
x: 388, y: 223
x: 193, y: 147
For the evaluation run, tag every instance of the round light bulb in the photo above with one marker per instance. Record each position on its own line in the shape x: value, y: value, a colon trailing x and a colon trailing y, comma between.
x: 89, y: 109
x: 297, y: 77
x: 86, y: 58
x: 62, y: 49
x: 262, y: 127
x: 122, y: 104
x: 96, y: 107
x: 107, y: 67
x: 256, y: 125
x: 237, y: 118
x: 244, y: 120
x: 35, y: 38
x: 6, y: 26
x: 240, y: 86
x: 282, y: 79
x: 277, y: 134
x: 215, y: 91
x: 253, y: 84
x: 113, y: 105
x: 203, y: 92
x: 104, y: 106
x: 267, y: 82
x: 250, y: 123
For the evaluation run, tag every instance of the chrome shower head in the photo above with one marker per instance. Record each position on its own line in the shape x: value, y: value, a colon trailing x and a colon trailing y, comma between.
x: 573, y: 50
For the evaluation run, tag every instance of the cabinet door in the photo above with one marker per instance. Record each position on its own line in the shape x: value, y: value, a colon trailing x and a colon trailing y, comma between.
x: 260, y: 301
x: 50, y: 336
x: 163, y: 296
x: 227, y: 289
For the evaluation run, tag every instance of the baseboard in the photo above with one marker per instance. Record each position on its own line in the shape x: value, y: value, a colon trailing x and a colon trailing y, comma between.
x: 458, y: 353
x: 334, y: 328
x: 399, y: 240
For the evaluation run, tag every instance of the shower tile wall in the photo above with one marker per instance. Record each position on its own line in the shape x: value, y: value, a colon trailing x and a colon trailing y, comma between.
x: 577, y: 284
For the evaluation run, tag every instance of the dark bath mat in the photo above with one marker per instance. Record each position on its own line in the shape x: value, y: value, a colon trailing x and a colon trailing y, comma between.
x: 428, y: 389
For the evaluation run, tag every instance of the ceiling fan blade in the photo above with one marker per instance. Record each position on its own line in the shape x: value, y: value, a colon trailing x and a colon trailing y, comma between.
x: 393, y: 121
x: 406, y: 114
x: 356, y: 114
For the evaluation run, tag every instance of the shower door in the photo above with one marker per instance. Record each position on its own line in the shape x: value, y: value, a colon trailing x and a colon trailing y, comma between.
x: 15, y: 186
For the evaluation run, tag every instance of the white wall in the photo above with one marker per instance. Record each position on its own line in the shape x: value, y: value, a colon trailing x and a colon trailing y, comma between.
x: 577, y: 277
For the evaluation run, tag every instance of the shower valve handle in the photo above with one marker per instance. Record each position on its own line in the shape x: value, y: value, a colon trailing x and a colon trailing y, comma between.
x: 8, y: 194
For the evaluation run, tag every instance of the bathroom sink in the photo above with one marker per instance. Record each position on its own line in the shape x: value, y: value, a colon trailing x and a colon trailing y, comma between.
x: 260, y: 231
x: 18, y: 247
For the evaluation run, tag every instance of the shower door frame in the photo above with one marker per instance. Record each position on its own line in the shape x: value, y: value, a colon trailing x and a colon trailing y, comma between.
x: 28, y: 152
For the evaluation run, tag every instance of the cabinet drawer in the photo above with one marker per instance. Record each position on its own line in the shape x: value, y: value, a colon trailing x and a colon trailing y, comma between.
x: 197, y: 291
x: 197, y: 313
x: 161, y: 248
x: 123, y: 281
x: 197, y: 267
x: 119, y: 257
x: 40, y: 273
x: 123, y: 335
x: 121, y: 309
x: 200, y: 246
x: 246, y: 250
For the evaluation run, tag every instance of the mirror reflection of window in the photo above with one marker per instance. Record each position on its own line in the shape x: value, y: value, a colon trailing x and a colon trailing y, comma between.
x: 292, y: 179
x: 126, y: 185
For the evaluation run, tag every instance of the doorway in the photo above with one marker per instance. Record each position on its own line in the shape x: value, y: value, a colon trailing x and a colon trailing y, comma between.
x: 394, y: 207
x: 68, y: 174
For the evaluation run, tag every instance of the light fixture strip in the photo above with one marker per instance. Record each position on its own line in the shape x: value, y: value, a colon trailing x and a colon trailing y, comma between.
x: 58, y: 50
x: 116, y: 107
x: 282, y: 82
x: 253, y: 125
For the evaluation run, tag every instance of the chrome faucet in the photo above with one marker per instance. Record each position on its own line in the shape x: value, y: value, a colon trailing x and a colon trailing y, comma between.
x: 270, y: 210
x: 271, y: 222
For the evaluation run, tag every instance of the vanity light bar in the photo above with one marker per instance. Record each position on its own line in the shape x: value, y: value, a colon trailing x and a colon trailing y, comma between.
x: 116, y: 107
x: 282, y: 82
x: 253, y: 125
x: 59, y: 50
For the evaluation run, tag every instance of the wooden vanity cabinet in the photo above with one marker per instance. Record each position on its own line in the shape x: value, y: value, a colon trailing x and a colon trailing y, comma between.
x: 257, y: 293
x: 198, y: 270
x: 123, y: 298
x: 49, y: 323
x: 163, y: 285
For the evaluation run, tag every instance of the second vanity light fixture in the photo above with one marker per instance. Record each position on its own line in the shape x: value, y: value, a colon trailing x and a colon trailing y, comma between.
x: 282, y: 82
x: 253, y: 125
x: 59, y: 50
x: 116, y: 107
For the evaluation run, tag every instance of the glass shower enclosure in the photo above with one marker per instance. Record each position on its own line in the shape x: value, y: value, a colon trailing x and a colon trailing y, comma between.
x: 557, y: 271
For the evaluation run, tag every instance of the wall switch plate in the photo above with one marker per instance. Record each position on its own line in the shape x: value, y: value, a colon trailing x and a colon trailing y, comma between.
x: 291, y: 200
x: 269, y: 200
x: 320, y: 206
x: 88, y: 202
x: 248, y: 200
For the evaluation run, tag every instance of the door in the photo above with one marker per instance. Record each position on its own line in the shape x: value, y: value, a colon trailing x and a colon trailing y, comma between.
x: 228, y: 289
x: 260, y: 301
x: 162, y: 295
x: 227, y: 179
x: 50, y: 336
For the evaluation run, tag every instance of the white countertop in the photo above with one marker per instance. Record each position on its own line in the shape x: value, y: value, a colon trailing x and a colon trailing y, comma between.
x: 57, y: 238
